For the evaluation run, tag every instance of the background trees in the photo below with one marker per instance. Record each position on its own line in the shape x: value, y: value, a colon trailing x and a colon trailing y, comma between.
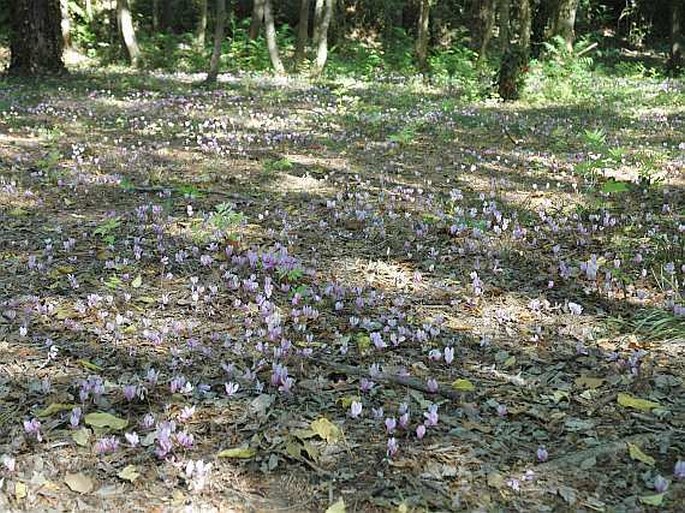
x: 409, y: 36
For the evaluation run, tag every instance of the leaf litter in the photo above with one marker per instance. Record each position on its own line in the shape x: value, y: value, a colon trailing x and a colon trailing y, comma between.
x: 313, y: 314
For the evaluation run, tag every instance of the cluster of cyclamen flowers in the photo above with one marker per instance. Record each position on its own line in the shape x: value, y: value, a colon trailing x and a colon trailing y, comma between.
x: 402, y: 422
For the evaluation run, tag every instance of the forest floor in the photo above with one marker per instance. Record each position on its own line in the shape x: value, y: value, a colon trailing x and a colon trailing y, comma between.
x: 279, y: 296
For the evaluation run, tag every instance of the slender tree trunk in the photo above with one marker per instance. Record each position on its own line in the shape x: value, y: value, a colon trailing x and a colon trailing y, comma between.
x: 322, y: 45
x: 318, y: 19
x: 481, y: 24
x: 422, y: 34
x: 675, y: 58
x: 504, y: 8
x: 65, y: 23
x: 128, y: 33
x: 202, y: 25
x: 155, y: 15
x: 89, y: 10
x: 219, y: 28
x: 257, y: 18
x: 525, y: 27
x: 35, y: 38
x: 564, y: 24
x: 271, y: 42
x: 302, y: 32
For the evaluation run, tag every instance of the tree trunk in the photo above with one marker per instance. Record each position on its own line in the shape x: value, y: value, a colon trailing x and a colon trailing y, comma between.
x: 35, y: 38
x: 155, y: 15
x: 318, y: 19
x: 525, y: 27
x: 271, y: 42
x: 302, y: 32
x: 504, y: 24
x: 219, y: 28
x: 89, y: 10
x: 422, y: 35
x: 675, y: 58
x: 322, y: 44
x: 257, y: 18
x: 565, y: 22
x: 202, y: 25
x: 65, y: 23
x: 482, y: 23
x: 128, y: 34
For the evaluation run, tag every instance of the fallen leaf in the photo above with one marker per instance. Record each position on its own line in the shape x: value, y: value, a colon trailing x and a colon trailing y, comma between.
x: 495, y: 480
x: 568, y: 494
x: 81, y: 437
x: 90, y: 365
x: 20, y: 491
x: 637, y: 454
x: 79, y: 483
x: 652, y: 500
x: 137, y: 282
x: 326, y: 430
x: 588, y: 382
x: 628, y: 401
x: 338, y: 507
x: 129, y: 473
x: 238, y: 452
x: 463, y: 385
x: 54, y: 408
x: 105, y: 420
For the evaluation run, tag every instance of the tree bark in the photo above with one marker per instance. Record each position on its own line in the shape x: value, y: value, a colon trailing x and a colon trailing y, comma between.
x: 128, y: 33
x: 35, y: 38
x: 675, y: 58
x: 155, y: 15
x: 202, y: 25
x: 322, y: 43
x: 525, y: 28
x: 564, y: 24
x: 422, y: 34
x: 302, y: 32
x: 504, y: 24
x: 482, y: 23
x: 257, y: 18
x: 219, y: 29
x: 89, y: 10
x: 318, y: 18
x: 65, y: 24
x: 271, y: 42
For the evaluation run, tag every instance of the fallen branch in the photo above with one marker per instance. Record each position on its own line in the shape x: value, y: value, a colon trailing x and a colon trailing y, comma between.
x: 387, y: 378
x: 603, y: 450
x: 206, y: 192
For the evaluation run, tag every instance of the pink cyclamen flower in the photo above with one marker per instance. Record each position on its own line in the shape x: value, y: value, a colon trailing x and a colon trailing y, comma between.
x: 432, y: 385
x: 390, y: 424
x: 107, y: 445
x: 355, y: 409
x: 660, y: 484
x: 393, y: 447
x: 132, y: 438
x: 130, y: 392
x: 501, y: 410
x: 75, y: 417
x: 231, y: 388
x: 575, y: 308
x: 542, y: 454
x: 420, y: 431
x: 449, y: 355
x: 679, y: 469
x: 32, y: 427
x: 431, y: 415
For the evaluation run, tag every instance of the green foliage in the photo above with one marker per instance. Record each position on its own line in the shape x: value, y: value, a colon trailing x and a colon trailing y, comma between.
x: 225, y: 219
x: 561, y: 75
